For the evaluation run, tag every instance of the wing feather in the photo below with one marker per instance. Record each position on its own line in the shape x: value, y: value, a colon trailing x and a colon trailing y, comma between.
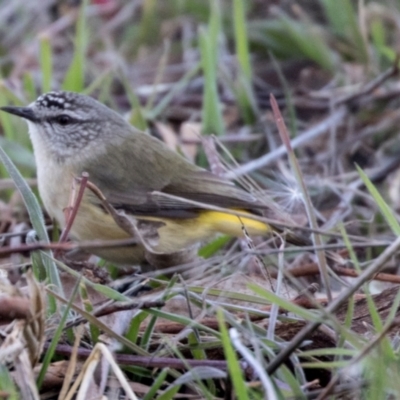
x: 155, y: 168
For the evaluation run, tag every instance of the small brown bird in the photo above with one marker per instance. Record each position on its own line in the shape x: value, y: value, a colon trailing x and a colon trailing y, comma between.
x: 73, y: 133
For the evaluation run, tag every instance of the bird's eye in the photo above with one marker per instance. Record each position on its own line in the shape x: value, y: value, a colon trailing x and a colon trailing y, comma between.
x: 64, y: 120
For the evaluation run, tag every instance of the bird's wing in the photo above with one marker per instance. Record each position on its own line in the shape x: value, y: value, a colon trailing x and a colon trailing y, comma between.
x: 155, y: 168
x: 199, y: 187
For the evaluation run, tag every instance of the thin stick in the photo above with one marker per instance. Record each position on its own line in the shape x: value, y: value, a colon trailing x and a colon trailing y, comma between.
x: 323, y: 266
x: 72, y: 211
x: 150, y: 361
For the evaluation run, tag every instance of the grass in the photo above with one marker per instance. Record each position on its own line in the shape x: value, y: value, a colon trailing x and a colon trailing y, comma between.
x: 209, y: 46
x: 229, y: 330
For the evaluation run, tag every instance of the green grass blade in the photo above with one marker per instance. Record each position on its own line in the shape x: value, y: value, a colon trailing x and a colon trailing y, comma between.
x: 291, y: 110
x: 211, y: 248
x: 134, y: 328
x: 170, y: 393
x: 56, y: 337
x: 18, y: 154
x: 75, y: 76
x: 156, y: 385
x: 182, y: 320
x: 148, y: 32
x: 29, y: 86
x: 241, y: 40
x: 7, y: 386
x: 208, y: 41
x: 287, y: 305
x: 243, y: 86
x: 5, y: 118
x: 177, y: 88
x: 211, y: 112
x: 137, y: 118
x: 46, y: 63
x: 84, y: 295
x: 309, y: 42
x: 293, y: 382
x: 380, y: 202
x: 344, y: 20
x: 36, y: 218
x: 148, y: 333
x: 234, y: 368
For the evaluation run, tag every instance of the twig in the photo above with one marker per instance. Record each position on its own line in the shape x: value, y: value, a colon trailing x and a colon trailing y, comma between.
x: 312, y: 269
x: 85, y: 245
x: 116, y: 307
x: 148, y: 362
x: 354, y: 98
x: 228, y: 138
x: 96, y: 244
x: 14, y: 307
x: 72, y: 211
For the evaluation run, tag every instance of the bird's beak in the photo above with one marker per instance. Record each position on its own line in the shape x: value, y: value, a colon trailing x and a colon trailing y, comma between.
x: 23, y: 112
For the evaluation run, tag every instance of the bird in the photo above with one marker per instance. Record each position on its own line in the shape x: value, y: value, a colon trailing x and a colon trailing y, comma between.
x: 137, y: 174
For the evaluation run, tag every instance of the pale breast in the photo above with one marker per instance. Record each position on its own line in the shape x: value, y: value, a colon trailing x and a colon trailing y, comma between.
x: 55, y: 182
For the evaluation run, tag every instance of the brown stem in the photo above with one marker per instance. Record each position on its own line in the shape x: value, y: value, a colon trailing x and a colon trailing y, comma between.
x: 72, y: 210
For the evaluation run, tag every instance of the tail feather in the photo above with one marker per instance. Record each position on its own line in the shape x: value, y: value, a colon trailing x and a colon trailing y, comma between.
x: 234, y: 225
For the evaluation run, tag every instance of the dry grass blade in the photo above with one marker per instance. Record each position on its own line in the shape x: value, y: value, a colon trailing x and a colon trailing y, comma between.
x: 323, y: 266
x: 34, y: 330
x: 30, y: 310
x: 72, y: 363
x: 23, y: 345
x: 86, y: 375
